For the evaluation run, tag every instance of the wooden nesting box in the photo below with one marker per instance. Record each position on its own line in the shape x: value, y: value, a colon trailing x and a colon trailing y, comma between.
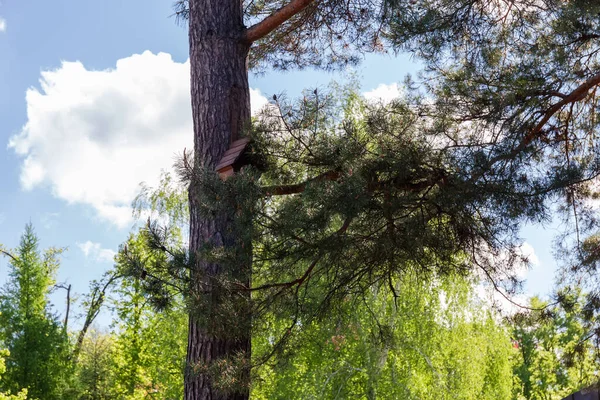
x: 233, y: 159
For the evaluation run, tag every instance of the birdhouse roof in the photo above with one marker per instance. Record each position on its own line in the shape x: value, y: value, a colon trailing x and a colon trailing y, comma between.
x: 236, y: 149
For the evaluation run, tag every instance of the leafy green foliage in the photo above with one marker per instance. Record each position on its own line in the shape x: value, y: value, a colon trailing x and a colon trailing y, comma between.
x: 151, y: 313
x: 95, y: 372
x: 555, y: 356
x: 22, y: 395
x: 144, y: 355
x: 149, y: 347
x: 38, y: 345
x: 432, y: 341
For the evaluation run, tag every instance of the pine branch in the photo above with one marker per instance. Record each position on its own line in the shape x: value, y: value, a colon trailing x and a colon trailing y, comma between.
x: 297, y: 188
x: 282, y: 190
x: 273, y: 21
x: 507, y: 297
x: 580, y: 93
x: 299, y: 281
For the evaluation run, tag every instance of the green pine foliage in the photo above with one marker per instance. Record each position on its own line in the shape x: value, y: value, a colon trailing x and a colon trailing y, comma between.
x: 425, y: 337
x: 351, y: 196
x: 501, y: 131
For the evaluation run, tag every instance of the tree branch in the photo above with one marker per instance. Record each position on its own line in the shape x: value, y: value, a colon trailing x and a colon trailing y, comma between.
x: 68, y: 289
x: 9, y: 255
x: 282, y: 190
x: 298, y: 281
x: 506, y: 297
x: 273, y: 21
x: 297, y: 188
x: 576, y: 95
x: 96, y: 302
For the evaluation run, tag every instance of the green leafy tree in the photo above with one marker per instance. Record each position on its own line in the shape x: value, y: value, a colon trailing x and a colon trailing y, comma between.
x: 166, y: 335
x: 95, y: 367
x: 22, y: 395
x: 555, y: 356
x: 149, y: 345
x: 93, y: 302
x: 434, y: 340
x: 130, y: 344
x: 38, y: 344
x: 144, y: 355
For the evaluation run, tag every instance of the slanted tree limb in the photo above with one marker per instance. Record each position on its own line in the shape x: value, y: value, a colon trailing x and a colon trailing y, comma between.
x: 97, y: 300
x: 578, y: 94
x: 298, y: 281
x: 273, y: 21
x: 6, y: 253
x: 282, y: 190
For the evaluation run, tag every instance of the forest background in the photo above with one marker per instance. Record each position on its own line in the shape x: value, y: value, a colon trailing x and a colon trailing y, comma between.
x: 40, y: 170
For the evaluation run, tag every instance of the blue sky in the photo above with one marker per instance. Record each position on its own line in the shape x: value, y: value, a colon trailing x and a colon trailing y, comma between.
x: 93, y: 101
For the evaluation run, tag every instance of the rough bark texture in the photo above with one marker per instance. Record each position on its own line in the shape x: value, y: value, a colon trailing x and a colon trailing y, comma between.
x: 220, y: 106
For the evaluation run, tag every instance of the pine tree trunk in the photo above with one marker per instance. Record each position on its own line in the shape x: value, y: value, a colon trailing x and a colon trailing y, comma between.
x: 220, y: 105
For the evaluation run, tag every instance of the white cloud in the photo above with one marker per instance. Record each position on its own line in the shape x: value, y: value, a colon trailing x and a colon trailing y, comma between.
x: 49, y: 219
x: 2, y: 25
x: 384, y: 93
x: 258, y: 101
x: 526, y: 252
x: 93, y: 136
x: 96, y: 252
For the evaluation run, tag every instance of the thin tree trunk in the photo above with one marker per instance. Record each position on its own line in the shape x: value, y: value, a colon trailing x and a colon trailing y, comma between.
x: 95, y: 304
x: 68, y: 308
x: 220, y: 106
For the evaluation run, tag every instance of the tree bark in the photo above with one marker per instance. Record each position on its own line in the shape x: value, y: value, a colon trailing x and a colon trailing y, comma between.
x: 220, y: 106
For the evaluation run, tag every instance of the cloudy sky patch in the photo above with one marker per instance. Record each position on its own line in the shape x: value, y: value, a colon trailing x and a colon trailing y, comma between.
x: 95, y: 252
x: 92, y: 137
